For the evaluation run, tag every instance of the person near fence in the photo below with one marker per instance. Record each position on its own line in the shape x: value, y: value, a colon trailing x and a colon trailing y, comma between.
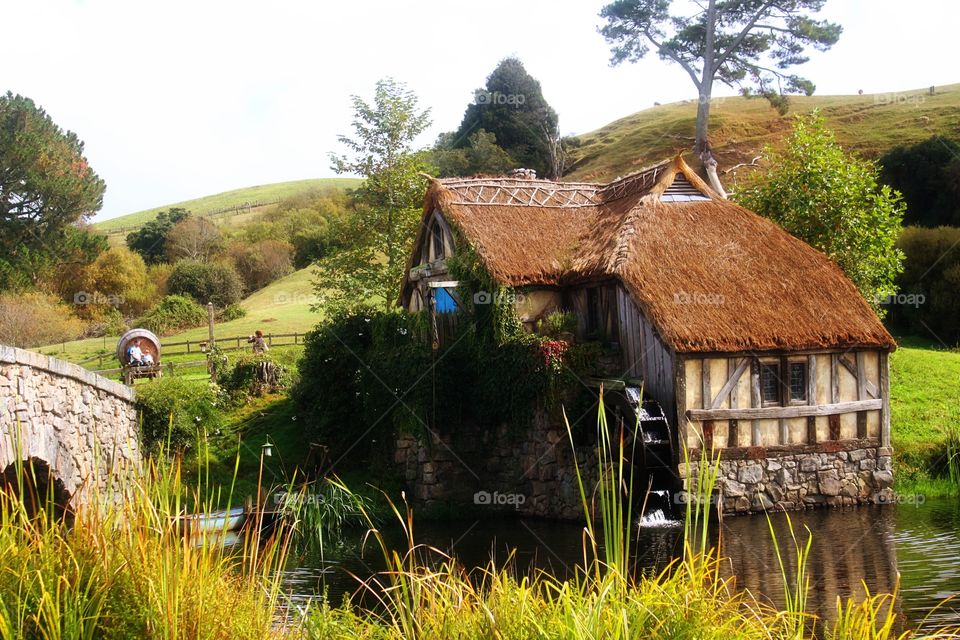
x: 259, y: 344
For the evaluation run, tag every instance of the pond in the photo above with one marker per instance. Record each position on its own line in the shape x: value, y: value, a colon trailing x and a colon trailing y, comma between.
x: 851, y: 548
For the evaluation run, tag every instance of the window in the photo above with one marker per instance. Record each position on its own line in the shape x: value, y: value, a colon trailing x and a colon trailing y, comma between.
x: 593, y: 312
x: 444, y: 301
x: 798, y: 381
x: 770, y: 383
x: 436, y: 237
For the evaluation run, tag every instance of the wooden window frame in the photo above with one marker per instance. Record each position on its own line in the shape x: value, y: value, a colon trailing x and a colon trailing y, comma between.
x: 788, y: 382
x: 767, y: 362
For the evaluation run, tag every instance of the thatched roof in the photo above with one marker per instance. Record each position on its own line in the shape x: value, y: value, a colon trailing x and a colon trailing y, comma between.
x: 710, y: 275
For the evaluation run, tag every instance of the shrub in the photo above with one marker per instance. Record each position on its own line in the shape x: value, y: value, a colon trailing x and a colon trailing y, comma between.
x: 111, y: 324
x: 206, y: 282
x: 260, y: 263
x: 35, y: 319
x: 116, y: 279
x: 231, y: 312
x: 173, y: 313
x: 172, y: 410
x: 492, y: 376
x: 929, y: 298
x: 253, y: 376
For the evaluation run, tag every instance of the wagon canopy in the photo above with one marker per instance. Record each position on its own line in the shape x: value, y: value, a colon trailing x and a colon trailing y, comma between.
x: 149, y: 343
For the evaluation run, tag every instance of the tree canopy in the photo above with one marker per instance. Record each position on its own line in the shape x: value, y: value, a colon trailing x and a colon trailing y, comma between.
x: 377, y: 238
x: 832, y: 201
x: 46, y: 183
x: 928, y: 176
x: 512, y: 109
x: 150, y: 240
x: 747, y: 44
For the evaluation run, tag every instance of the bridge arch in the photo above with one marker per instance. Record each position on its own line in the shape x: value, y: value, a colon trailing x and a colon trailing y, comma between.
x: 71, y: 427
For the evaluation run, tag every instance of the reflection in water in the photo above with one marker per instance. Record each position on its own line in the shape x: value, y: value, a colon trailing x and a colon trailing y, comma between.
x: 851, y: 547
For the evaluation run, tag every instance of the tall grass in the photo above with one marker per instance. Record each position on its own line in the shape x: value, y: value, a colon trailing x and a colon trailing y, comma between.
x: 127, y: 571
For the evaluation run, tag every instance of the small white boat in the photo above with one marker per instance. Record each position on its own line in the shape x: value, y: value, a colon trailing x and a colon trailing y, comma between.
x: 232, y: 520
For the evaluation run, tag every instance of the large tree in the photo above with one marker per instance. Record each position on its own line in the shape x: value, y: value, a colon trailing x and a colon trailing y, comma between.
x: 47, y: 188
x: 511, y: 107
x: 378, y: 237
x: 747, y: 44
x: 150, y: 240
x: 834, y: 202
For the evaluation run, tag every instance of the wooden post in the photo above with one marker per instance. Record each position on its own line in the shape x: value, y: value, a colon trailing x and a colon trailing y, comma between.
x: 755, y: 438
x: 861, y: 394
x: 680, y: 392
x: 885, y: 399
x: 733, y: 433
x: 210, y: 340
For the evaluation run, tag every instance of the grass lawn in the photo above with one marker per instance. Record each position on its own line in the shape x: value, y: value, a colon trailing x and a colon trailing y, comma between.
x: 869, y: 124
x: 236, y: 197
x: 281, y: 307
x: 925, y: 406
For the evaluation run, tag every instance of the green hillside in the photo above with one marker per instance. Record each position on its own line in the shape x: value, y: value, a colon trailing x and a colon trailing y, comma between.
x: 739, y: 128
x: 208, y: 205
x: 281, y: 307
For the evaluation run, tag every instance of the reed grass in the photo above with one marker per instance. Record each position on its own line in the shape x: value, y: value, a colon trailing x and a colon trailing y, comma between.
x: 127, y: 571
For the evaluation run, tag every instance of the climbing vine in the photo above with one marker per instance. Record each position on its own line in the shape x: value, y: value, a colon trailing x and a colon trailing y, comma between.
x: 368, y: 375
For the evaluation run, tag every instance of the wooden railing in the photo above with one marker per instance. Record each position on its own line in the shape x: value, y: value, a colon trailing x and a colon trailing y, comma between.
x: 230, y: 343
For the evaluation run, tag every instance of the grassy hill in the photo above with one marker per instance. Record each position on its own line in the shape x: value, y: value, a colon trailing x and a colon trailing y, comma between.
x: 281, y: 307
x: 221, y: 202
x: 739, y: 128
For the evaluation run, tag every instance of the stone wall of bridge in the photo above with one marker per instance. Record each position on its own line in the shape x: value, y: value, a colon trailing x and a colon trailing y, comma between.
x: 81, y: 425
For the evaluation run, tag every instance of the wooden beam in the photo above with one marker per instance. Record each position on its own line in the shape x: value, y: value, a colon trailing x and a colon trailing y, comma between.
x: 811, y: 429
x: 885, y: 399
x: 861, y: 377
x: 705, y: 383
x: 755, y: 436
x: 811, y: 379
x: 794, y: 411
x: 733, y: 435
x: 732, y: 366
x: 834, y: 378
x: 730, y: 384
x: 680, y: 391
x: 783, y: 431
x: 853, y: 368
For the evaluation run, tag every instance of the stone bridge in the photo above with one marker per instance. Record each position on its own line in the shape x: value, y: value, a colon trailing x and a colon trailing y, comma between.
x: 76, y: 429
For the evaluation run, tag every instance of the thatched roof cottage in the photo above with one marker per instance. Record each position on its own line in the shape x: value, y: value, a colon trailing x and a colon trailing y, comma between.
x: 751, y: 340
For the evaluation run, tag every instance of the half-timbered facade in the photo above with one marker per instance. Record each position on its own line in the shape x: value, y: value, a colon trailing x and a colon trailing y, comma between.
x: 753, y: 342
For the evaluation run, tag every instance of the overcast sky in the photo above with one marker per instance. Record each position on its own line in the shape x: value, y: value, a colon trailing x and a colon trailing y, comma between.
x: 179, y: 99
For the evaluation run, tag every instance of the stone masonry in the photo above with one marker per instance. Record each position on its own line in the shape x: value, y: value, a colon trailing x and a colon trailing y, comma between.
x: 530, y: 472
x: 840, y: 473
x: 82, y: 425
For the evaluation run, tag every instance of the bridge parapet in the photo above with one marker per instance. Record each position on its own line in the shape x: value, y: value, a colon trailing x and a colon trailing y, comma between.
x: 82, y: 425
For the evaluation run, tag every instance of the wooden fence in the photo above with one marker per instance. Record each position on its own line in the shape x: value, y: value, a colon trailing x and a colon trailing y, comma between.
x: 231, y: 343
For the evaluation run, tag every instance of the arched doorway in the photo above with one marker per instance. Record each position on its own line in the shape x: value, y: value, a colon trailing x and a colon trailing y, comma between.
x: 38, y: 489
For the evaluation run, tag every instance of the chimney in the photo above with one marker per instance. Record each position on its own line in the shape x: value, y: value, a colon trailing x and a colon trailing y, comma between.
x: 522, y: 174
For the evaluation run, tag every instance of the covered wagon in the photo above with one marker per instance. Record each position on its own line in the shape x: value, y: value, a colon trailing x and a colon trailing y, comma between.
x: 138, y: 351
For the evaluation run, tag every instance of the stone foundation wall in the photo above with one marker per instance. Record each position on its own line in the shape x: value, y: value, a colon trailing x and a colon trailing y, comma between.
x: 840, y: 473
x: 531, y: 472
x: 83, y: 425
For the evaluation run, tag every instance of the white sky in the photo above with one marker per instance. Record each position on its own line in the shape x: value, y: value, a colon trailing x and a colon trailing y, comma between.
x: 179, y: 99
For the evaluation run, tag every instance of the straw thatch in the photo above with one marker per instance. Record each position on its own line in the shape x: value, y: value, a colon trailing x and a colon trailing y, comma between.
x: 710, y: 275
